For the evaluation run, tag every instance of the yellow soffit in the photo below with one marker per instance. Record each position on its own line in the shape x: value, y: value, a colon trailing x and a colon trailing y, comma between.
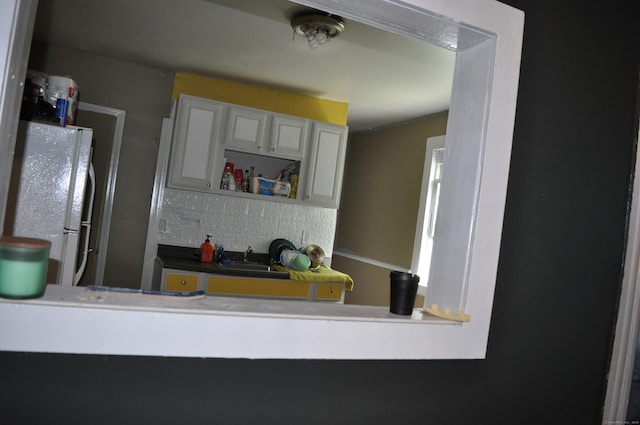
x: 261, y: 97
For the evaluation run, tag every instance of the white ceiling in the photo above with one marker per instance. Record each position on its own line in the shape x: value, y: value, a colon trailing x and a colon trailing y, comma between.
x: 385, y: 78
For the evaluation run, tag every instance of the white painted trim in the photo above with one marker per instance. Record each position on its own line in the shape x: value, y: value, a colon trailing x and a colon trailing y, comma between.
x: 371, y: 261
x: 487, y: 36
x: 17, y: 18
x: 162, y: 168
x: 422, y: 290
x: 74, y: 320
x: 231, y: 330
x: 628, y: 323
x: 111, y: 183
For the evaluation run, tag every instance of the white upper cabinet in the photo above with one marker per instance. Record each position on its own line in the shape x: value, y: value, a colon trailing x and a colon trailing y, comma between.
x: 196, y: 134
x: 246, y: 129
x: 326, y: 164
x: 208, y: 133
x: 265, y: 133
x: 288, y: 136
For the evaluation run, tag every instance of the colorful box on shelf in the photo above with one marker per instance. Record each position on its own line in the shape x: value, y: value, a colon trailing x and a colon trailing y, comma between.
x: 264, y: 186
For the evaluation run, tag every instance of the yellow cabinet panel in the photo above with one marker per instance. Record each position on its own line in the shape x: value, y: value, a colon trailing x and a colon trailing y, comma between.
x: 260, y: 287
x: 329, y: 291
x: 181, y: 282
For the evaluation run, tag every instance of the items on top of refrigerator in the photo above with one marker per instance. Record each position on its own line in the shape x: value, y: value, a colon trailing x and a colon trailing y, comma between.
x: 49, y: 98
x: 62, y: 92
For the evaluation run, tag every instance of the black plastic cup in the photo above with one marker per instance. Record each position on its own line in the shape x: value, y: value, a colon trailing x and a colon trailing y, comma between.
x: 404, y: 287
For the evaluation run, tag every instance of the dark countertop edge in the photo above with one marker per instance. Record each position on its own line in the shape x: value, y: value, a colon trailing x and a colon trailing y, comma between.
x: 190, y: 253
x: 184, y: 258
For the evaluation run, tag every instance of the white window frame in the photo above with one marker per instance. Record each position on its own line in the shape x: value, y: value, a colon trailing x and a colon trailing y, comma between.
x: 487, y: 38
x: 427, y: 209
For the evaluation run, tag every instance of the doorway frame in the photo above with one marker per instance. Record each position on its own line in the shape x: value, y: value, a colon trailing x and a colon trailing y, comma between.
x: 488, y: 44
x: 628, y: 320
x: 111, y: 183
x: 233, y: 333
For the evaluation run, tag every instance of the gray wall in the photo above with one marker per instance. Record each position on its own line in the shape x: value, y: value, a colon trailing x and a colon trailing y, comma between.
x: 145, y: 94
x: 556, y: 295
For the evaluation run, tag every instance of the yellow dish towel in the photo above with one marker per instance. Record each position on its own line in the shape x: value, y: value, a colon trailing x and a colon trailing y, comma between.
x: 324, y: 274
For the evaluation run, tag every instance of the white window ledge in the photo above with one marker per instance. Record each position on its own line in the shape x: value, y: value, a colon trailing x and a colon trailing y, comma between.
x: 487, y: 36
x: 74, y: 320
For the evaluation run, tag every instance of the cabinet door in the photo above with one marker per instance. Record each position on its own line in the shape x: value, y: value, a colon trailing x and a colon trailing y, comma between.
x: 194, y: 143
x: 245, y: 129
x: 288, y: 136
x: 330, y: 291
x: 179, y: 281
x: 326, y: 163
x: 281, y: 288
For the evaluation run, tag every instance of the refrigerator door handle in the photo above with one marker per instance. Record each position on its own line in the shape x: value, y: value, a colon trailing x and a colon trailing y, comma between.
x: 91, y: 190
x: 87, y: 225
x: 85, y: 252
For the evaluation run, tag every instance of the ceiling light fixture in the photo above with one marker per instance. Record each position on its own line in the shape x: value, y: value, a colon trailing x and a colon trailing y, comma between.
x: 317, y: 28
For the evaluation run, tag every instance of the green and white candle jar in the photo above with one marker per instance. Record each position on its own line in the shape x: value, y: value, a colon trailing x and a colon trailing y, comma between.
x: 23, y: 266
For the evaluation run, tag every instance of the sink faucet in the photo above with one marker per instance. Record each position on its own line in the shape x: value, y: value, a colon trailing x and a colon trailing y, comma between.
x: 247, y: 252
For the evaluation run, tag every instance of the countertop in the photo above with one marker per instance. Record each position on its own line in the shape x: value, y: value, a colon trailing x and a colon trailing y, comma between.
x: 183, y: 258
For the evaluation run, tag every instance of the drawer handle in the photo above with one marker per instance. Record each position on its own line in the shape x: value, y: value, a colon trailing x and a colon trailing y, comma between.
x: 331, y: 291
x: 184, y: 282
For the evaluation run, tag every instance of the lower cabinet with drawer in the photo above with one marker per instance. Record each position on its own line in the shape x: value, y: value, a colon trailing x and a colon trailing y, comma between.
x: 179, y: 280
x: 329, y: 291
x: 238, y: 286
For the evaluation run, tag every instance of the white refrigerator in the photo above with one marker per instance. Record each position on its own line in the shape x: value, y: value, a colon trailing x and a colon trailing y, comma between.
x: 51, y: 194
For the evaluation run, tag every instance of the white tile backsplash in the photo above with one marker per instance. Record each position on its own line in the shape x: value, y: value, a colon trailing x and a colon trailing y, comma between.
x: 241, y: 222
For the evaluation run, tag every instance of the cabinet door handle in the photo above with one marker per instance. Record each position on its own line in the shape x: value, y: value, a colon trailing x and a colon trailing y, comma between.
x: 273, y: 149
x: 208, y: 184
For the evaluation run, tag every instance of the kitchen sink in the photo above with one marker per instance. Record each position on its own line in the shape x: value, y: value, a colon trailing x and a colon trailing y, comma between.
x: 246, y: 265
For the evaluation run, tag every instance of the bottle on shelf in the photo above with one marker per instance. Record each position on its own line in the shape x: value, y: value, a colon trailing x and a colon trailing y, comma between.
x: 245, y: 182
x: 231, y: 185
x: 216, y: 254
x: 293, y: 179
x: 252, y: 174
x: 239, y: 179
x: 226, y: 178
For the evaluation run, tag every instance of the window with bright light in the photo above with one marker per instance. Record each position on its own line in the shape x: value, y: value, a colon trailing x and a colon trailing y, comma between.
x: 427, y: 210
